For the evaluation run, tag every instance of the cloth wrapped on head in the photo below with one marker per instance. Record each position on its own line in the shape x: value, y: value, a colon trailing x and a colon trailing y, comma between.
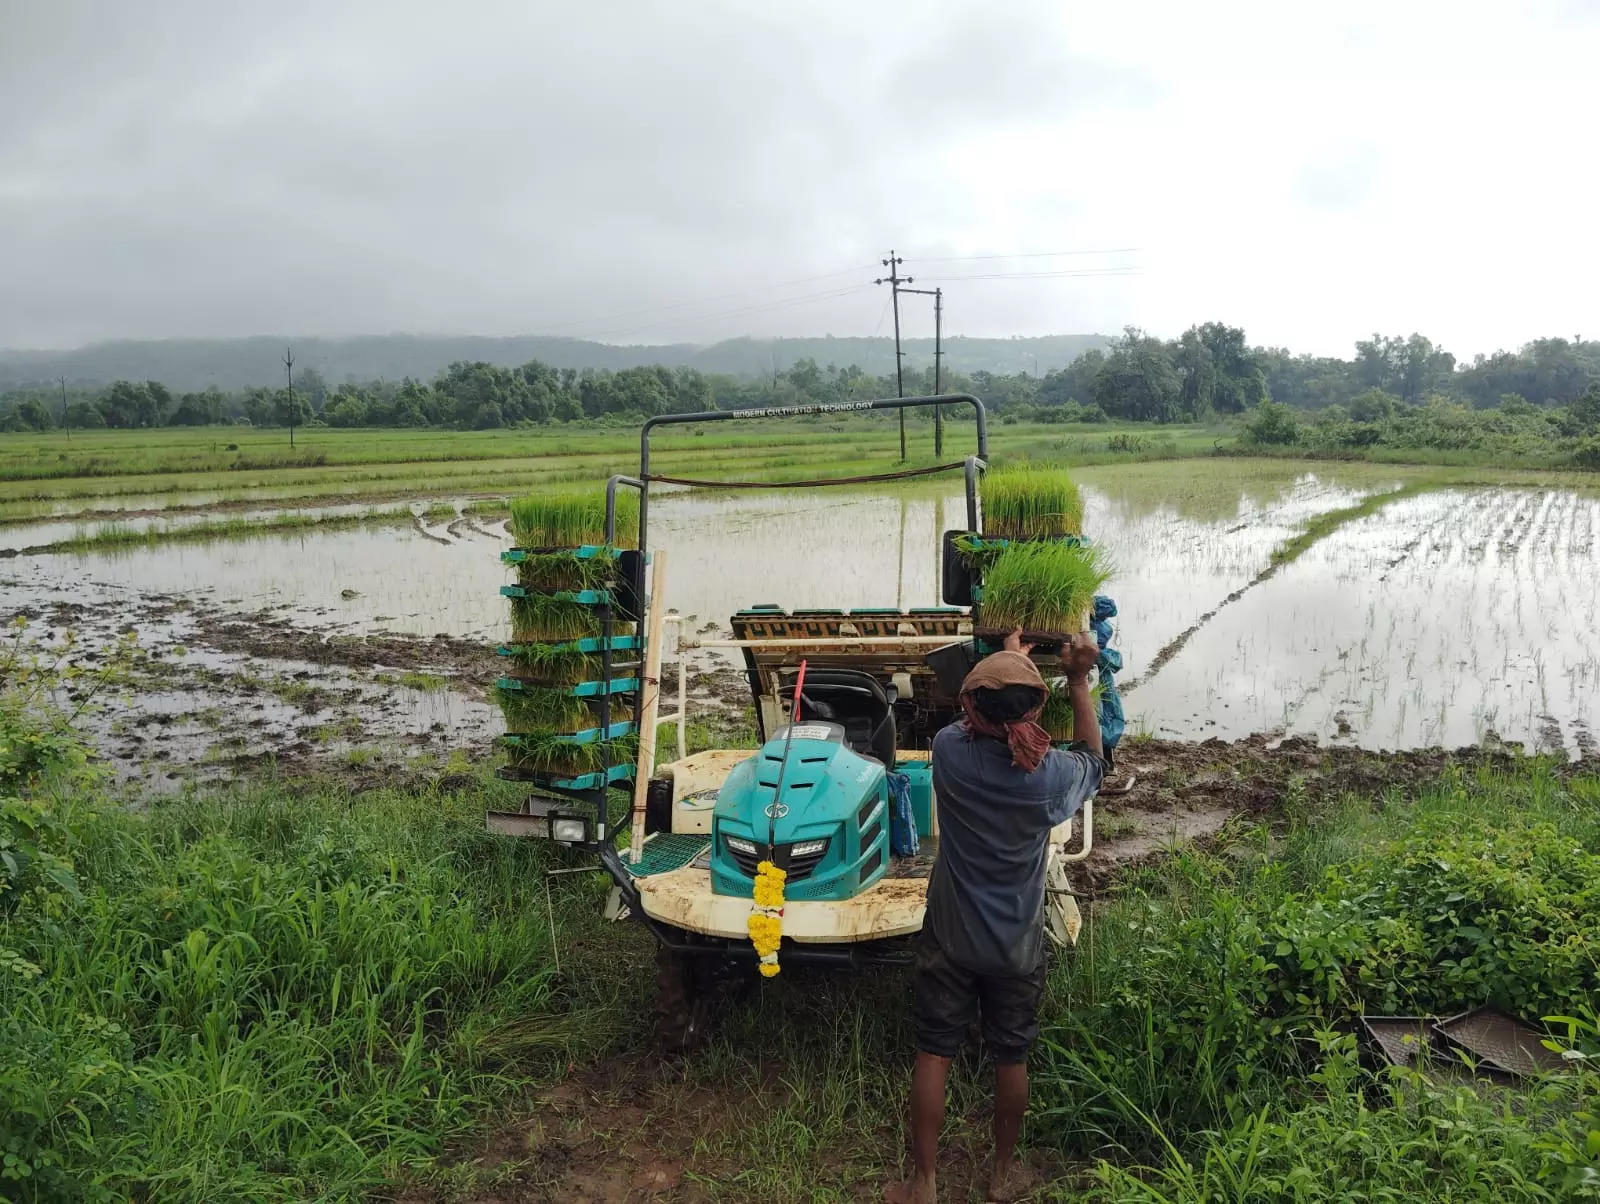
x: 1000, y: 671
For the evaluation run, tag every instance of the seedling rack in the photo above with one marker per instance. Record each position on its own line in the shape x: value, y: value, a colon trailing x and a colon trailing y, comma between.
x: 602, y: 583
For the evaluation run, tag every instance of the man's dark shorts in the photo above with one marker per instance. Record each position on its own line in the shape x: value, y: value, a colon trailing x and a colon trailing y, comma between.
x: 949, y: 998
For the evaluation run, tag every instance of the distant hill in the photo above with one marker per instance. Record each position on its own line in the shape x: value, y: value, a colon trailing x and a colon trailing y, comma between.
x: 187, y: 364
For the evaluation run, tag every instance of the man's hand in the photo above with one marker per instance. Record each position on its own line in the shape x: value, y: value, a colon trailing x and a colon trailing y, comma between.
x: 1013, y: 643
x: 1079, y: 654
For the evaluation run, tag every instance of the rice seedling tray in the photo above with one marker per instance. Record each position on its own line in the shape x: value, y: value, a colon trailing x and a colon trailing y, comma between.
x: 533, y: 708
x: 583, y: 597
x: 594, y: 643
x: 1047, y: 589
x: 571, y: 662
x: 583, y: 689
x: 588, y: 551
x: 967, y: 541
x: 587, y: 736
x: 562, y: 758
x: 1499, y: 1043
x: 556, y: 781
x: 1028, y: 500
x: 590, y: 566
x: 568, y: 518
x: 1042, y: 641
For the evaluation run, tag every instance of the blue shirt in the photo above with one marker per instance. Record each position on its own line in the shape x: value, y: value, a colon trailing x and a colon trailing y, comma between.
x: 986, y: 897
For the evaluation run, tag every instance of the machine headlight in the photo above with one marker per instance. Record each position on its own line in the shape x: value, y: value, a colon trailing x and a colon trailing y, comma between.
x: 807, y: 847
x: 739, y: 845
x: 573, y: 831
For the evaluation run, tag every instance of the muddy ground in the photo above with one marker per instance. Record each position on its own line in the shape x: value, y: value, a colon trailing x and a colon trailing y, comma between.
x: 205, y: 692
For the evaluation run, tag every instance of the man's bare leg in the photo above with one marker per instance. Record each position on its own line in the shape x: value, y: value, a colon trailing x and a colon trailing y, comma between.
x: 1010, y: 1178
x: 927, y: 1118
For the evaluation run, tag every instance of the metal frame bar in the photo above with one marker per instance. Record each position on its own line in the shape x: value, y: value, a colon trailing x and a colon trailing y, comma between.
x: 972, y: 466
x: 809, y: 641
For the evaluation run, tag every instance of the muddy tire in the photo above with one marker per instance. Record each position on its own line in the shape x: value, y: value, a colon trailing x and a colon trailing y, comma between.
x: 678, y: 1005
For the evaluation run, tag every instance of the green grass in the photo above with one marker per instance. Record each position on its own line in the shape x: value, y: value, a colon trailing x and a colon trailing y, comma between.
x: 269, y: 995
x: 1026, y: 500
x: 1044, y: 587
x: 428, y: 683
x: 283, y: 991
x: 337, y: 465
x: 567, y: 519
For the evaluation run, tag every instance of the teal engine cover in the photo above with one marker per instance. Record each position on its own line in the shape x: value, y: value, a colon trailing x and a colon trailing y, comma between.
x: 832, y: 817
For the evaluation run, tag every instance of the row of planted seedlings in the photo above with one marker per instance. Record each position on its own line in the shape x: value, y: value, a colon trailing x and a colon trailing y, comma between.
x: 1039, y: 572
x: 569, y: 692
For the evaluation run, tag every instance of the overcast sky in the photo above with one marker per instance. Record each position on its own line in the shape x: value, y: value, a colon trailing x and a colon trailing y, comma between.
x: 688, y: 170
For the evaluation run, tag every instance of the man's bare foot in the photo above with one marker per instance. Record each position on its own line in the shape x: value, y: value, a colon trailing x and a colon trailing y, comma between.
x: 915, y: 1190
x: 1014, y: 1181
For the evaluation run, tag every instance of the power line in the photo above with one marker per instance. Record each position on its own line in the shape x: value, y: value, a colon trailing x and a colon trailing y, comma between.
x: 882, y: 314
x: 1085, y: 272
x: 1022, y: 255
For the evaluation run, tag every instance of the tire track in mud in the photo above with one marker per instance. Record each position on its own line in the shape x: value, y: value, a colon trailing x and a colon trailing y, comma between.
x: 1317, y: 530
x: 422, y: 530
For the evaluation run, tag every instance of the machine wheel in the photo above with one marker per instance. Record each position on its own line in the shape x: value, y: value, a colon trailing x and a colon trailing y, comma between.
x: 678, y: 1006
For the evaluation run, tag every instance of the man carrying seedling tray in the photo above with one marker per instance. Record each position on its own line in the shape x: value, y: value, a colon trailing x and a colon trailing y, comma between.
x: 1000, y: 788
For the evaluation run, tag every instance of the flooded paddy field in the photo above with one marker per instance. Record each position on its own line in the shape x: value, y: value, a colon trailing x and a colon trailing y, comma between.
x: 1456, y: 616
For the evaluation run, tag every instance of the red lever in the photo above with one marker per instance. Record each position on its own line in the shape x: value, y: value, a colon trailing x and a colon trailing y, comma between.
x: 799, y: 684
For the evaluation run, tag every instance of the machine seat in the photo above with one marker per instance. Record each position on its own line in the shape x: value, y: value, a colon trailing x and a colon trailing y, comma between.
x: 859, y: 703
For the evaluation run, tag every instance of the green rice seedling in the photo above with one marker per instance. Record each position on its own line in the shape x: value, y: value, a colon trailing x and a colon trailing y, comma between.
x: 547, y: 752
x: 1043, y: 587
x: 537, y: 617
x: 557, y: 664
x: 1029, y: 501
x: 556, y: 519
x: 563, y: 570
x: 536, y: 708
x: 1056, y: 717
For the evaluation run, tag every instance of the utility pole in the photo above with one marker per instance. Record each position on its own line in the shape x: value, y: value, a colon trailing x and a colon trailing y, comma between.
x: 938, y: 352
x: 63, y: 382
x: 288, y: 370
x: 894, y: 281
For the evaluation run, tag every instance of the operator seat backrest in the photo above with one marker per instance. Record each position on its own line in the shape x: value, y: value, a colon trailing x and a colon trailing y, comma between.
x: 861, y: 703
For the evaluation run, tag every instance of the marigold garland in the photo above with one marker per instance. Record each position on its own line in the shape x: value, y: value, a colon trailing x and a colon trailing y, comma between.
x: 766, y: 917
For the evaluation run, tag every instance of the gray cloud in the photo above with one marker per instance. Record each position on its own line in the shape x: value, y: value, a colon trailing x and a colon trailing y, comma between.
x: 642, y: 170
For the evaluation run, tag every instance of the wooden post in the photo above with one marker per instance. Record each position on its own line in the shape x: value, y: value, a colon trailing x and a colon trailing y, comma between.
x: 649, y: 701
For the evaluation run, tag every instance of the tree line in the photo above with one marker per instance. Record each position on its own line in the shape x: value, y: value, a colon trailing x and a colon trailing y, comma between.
x: 1209, y: 370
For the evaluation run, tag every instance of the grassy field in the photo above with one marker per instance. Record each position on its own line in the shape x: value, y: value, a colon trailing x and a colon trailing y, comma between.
x: 276, y: 993
x: 42, y: 472
x: 176, y: 471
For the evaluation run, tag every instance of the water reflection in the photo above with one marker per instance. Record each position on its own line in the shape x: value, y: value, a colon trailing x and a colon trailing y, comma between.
x: 1439, y: 620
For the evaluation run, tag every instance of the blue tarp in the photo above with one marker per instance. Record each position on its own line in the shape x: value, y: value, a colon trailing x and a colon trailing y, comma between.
x: 1112, y: 720
x: 902, y: 820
